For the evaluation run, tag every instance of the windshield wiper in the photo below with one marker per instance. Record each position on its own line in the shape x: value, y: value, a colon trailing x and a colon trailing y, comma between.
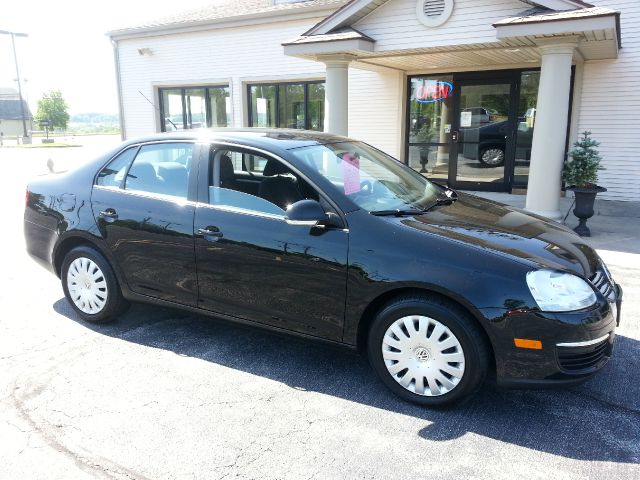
x: 441, y: 202
x: 397, y: 212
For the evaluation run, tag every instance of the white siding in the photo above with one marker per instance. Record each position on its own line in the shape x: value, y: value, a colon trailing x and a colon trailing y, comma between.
x: 375, y: 109
x: 610, y: 107
x: 232, y: 55
x: 395, y: 25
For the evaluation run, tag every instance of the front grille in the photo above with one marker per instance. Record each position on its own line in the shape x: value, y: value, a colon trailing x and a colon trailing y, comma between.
x: 602, y: 282
x: 584, y: 359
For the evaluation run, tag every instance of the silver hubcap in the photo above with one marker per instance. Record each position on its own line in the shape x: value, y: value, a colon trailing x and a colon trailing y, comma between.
x: 493, y: 156
x: 423, y: 355
x: 87, y: 285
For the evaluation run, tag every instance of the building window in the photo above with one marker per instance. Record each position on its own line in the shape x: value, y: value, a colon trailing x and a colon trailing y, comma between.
x: 287, y: 105
x: 183, y: 108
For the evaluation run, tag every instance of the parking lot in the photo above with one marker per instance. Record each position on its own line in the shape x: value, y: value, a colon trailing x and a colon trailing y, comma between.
x: 166, y: 394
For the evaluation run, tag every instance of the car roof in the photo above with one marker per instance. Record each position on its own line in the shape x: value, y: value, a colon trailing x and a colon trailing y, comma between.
x: 266, y: 138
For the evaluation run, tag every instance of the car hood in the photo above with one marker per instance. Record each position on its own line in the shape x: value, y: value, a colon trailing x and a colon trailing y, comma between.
x: 507, y: 231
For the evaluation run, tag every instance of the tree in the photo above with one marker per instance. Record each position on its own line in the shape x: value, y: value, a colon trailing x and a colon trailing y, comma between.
x: 582, y: 170
x: 53, y: 107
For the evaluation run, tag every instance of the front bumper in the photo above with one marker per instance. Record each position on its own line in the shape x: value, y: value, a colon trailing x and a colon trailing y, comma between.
x: 575, y: 345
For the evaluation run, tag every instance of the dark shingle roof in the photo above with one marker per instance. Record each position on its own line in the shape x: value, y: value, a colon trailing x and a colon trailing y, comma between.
x: 10, y: 109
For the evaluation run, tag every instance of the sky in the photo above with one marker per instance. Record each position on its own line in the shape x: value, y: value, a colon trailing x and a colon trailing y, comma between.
x: 67, y: 48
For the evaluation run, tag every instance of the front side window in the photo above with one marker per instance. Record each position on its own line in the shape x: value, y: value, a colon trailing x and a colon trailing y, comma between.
x: 370, y: 178
x: 161, y: 169
x: 287, y: 105
x: 195, y: 107
x: 245, y: 181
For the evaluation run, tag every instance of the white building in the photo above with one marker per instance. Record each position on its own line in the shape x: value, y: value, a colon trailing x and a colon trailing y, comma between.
x: 482, y: 94
x: 12, y: 114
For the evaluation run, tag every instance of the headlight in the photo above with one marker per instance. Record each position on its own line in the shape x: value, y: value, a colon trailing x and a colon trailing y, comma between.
x: 559, y: 292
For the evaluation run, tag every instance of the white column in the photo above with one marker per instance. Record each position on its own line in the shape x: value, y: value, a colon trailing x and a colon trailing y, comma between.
x: 336, y: 105
x: 550, y: 134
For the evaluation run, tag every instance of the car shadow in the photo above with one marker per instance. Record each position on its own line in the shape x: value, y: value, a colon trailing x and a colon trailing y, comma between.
x: 596, y: 421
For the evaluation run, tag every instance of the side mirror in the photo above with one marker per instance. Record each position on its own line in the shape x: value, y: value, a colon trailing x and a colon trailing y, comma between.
x: 305, y: 212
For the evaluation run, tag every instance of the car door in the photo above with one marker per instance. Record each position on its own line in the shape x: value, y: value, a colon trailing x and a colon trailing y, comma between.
x: 141, y: 204
x: 254, y: 265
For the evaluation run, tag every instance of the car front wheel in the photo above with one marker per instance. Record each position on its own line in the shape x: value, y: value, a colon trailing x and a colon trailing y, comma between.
x: 427, y: 350
x: 90, y: 286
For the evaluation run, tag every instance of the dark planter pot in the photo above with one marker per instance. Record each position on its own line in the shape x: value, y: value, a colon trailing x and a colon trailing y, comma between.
x: 585, y: 198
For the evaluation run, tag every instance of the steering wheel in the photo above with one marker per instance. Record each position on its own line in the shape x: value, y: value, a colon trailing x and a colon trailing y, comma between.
x: 366, y: 187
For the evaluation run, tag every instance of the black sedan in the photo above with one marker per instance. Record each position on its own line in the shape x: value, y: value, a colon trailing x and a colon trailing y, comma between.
x: 328, y: 238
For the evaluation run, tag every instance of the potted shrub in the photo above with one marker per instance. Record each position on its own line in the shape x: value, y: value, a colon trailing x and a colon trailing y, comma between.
x: 581, y: 174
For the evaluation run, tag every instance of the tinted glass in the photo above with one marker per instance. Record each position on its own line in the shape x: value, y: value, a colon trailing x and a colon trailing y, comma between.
x: 484, y: 128
x: 315, y: 107
x: 220, y: 102
x: 291, y: 111
x: 231, y: 185
x: 263, y: 106
x: 162, y: 169
x: 172, y: 109
x: 113, y: 174
x: 195, y: 101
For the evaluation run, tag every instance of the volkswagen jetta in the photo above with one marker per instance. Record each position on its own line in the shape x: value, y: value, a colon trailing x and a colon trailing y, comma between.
x: 328, y: 238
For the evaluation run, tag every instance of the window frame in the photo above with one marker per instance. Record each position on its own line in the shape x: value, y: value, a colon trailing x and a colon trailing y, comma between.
x: 205, y: 174
x: 193, y: 172
x: 183, y: 90
x: 304, y: 83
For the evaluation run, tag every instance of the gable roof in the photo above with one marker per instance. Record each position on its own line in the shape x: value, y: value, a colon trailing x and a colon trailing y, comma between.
x: 355, y: 10
x: 229, y: 10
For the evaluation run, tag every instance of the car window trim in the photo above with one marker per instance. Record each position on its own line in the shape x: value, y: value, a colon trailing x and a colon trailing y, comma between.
x: 215, y: 145
x: 151, y: 195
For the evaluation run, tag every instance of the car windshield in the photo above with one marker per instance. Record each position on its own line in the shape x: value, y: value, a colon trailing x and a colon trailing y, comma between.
x: 373, y: 180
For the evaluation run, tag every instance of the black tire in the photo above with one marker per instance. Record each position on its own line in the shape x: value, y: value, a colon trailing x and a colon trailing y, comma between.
x: 114, y: 303
x: 483, y: 161
x: 471, y: 338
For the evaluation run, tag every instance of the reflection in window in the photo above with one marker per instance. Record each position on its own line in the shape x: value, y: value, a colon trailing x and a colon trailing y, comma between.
x: 172, y: 109
x: 287, y: 105
x: 195, y: 107
x: 529, y: 82
x: 113, y: 174
x: 430, y: 119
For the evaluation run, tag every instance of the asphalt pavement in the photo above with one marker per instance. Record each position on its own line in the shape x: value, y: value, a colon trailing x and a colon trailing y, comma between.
x: 162, y: 394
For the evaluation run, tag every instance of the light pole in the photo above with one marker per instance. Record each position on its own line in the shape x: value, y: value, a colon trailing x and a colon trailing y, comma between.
x: 15, y: 59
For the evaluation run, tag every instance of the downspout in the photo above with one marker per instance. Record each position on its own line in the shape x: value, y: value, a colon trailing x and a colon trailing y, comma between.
x: 116, y: 59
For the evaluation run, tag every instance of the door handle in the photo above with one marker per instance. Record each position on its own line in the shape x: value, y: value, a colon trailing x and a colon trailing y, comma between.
x: 210, y: 232
x: 109, y: 214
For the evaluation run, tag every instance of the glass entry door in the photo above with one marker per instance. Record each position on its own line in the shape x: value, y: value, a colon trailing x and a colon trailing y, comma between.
x: 473, y: 130
x: 481, y: 135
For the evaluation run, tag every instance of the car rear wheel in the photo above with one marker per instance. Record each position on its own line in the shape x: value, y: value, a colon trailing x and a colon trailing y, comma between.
x: 427, y: 350
x: 492, y: 157
x: 90, y: 286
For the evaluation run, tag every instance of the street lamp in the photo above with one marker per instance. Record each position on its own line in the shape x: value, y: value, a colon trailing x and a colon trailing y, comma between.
x: 15, y: 59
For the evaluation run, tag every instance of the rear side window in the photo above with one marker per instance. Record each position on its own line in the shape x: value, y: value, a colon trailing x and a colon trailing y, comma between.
x: 161, y: 168
x: 113, y: 174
